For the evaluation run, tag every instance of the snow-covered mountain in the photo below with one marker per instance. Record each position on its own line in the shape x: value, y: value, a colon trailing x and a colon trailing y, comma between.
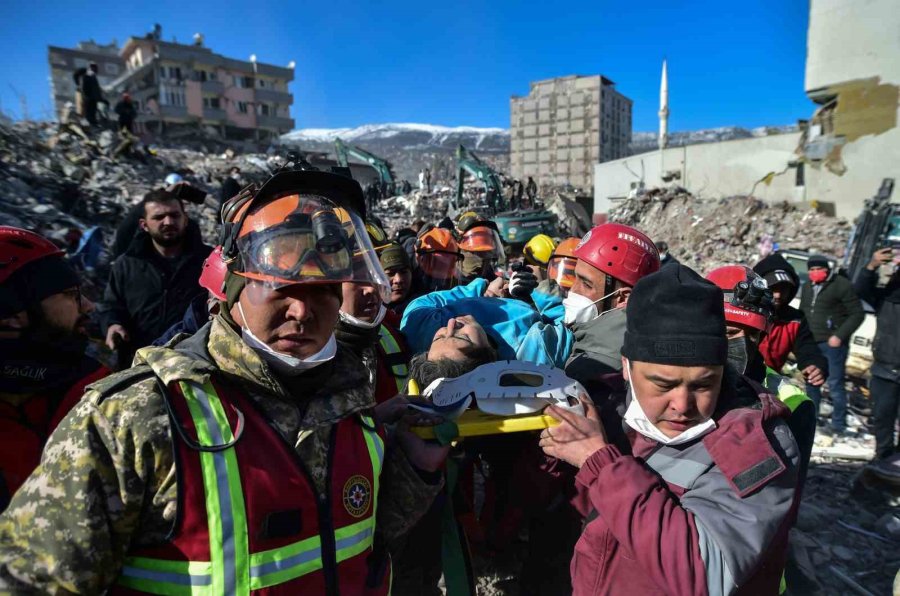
x: 642, y: 142
x: 408, y: 135
x: 410, y: 147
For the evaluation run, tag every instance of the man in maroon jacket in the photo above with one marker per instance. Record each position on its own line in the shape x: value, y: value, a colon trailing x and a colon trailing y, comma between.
x: 703, y: 502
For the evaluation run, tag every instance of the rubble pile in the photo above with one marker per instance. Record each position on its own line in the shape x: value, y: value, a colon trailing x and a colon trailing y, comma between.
x: 399, y: 211
x: 708, y: 233
x: 56, y: 178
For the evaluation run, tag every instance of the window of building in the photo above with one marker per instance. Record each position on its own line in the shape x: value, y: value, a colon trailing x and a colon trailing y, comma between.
x: 211, y: 102
x: 57, y: 59
x: 263, y: 109
x: 111, y: 69
x: 261, y: 83
x: 244, y: 82
x: 242, y: 107
x: 81, y: 63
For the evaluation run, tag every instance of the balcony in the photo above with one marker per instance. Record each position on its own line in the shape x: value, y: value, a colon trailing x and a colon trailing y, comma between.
x: 273, y: 96
x: 275, y: 122
x: 214, y: 114
x: 173, y: 111
x: 215, y: 87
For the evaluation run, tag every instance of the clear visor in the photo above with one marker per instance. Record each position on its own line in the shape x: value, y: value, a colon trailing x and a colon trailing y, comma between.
x: 438, y: 265
x: 307, y: 239
x: 562, y: 271
x: 483, y: 240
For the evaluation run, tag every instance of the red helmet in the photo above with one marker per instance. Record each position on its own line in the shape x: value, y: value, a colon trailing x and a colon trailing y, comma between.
x: 212, y: 277
x: 19, y: 247
x: 748, y: 301
x: 620, y: 251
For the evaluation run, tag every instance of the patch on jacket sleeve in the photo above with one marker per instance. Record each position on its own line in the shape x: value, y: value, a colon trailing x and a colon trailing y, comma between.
x: 758, y: 474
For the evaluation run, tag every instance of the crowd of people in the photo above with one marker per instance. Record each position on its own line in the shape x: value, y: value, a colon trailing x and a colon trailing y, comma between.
x: 257, y: 435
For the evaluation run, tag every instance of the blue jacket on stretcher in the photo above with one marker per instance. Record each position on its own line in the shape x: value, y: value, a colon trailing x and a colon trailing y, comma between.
x: 521, y: 331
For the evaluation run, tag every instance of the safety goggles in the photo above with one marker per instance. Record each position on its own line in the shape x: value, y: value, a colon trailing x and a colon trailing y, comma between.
x: 562, y: 271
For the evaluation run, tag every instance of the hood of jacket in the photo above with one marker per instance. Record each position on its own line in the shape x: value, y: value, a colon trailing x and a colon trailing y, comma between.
x: 774, y: 262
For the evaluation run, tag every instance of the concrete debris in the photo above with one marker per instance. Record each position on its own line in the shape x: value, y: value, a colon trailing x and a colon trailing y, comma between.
x: 707, y: 233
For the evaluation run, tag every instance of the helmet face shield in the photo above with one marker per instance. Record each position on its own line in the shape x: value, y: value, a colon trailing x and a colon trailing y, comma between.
x: 483, y: 240
x: 438, y: 265
x: 307, y: 239
x: 562, y: 271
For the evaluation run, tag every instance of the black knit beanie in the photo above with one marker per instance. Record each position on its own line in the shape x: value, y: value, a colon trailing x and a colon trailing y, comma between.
x: 676, y: 317
x: 818, y: 261
x: 35, y: 281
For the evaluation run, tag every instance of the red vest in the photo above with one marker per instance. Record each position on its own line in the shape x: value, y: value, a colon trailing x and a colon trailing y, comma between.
x: 250, y: 519
x: 26, y: 428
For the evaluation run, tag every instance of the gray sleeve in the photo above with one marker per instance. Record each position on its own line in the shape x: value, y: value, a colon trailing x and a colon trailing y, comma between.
x: 734, y: 532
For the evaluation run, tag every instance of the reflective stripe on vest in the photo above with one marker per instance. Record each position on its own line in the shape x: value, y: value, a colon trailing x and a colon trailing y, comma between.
x: 233, y: 570
x: 789, y: 394
x: 389, y: 345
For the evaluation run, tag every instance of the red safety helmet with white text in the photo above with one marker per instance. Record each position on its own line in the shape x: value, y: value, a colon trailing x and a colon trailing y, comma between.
x: 748, y: 300
x: 620, y: 251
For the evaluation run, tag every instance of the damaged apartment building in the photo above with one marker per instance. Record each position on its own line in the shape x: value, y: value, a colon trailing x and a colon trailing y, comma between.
x: 566, y: 125
x: 179, y: 86
x: 839, y: 154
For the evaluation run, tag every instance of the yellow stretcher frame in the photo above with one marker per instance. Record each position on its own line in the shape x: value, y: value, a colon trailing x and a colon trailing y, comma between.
x: 475, y: 423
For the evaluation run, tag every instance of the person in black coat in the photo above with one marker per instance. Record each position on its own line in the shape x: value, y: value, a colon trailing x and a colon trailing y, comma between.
x: 91, y: 93
x: 834, y: 312
x: 152, y: 284
x: 127, y: 113
x: 885, y: 382
x: 231, y: 185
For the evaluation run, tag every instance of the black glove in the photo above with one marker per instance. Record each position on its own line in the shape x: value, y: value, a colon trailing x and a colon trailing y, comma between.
x: 522, y: 284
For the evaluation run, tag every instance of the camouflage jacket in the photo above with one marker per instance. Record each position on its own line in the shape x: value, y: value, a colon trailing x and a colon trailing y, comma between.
x: 107, y: 478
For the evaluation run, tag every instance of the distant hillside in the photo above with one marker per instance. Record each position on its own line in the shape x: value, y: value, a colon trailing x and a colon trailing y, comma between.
x: 409, y: 147
x: 641, y: 142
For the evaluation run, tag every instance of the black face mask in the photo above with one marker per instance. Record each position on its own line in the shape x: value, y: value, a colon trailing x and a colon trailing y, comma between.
x: 739, y: 353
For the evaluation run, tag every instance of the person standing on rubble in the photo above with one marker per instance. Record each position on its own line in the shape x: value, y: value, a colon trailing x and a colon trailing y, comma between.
x: 885, y: 382
x: 91, y: 93
x: 153, y: 282
x: 834, y: 312
x: 665, y: 257
x: 231, y: 184
x: 43, y: 336
x: 703, y: 501
x: 286, y: 479
x: 789, y: 331
x: 531, y: 190
x: 127, y: 113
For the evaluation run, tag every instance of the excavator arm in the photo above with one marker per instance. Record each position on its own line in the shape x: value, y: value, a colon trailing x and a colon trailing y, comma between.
x: 383, y: 167
x: 466, y: 161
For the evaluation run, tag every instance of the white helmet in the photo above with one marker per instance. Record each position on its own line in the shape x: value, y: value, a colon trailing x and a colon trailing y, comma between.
x: 173, y: 178
x: 507, y: 388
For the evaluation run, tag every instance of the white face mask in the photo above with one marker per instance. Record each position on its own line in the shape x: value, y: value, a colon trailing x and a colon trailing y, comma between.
x: 382, y: 310
x: 581, y: 309
x: 637, y: 419
x: 286, y: 364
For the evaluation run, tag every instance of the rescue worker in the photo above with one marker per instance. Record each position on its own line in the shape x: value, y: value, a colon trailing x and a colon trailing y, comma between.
x: 561, y: 266
x: 789, y: 332
x: 43, y: 336
x: 749, y: 312
x: 368, y: 328
x: 284, y: 482
x: 397, y: 267
x: 537, y: 253
x: 611, y: 259
x: 665, y: 257
x: 703, y: 501
x: 437, y: 258
x: 481, y: 248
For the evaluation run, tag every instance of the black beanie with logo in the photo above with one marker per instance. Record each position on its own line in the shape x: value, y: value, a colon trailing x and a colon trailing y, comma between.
x: 676, y: 317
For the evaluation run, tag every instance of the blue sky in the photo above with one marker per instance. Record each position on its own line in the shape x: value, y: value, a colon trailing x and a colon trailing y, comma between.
x: 456, y: 63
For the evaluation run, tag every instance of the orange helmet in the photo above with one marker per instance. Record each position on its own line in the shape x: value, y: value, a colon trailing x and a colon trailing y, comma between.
x: 484, y: 240
x: 300, y: 232
x: 437, y: 254
x: 561, y: 267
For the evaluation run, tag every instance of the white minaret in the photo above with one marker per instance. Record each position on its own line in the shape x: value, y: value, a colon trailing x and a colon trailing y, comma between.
x: 664, y: 109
